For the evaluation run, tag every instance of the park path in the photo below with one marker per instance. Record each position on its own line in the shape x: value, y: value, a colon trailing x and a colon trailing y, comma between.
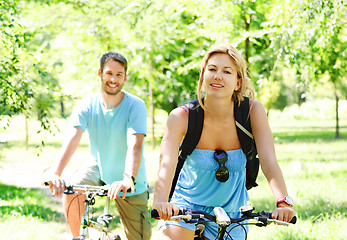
x: 26, y: 176
x: 30, y: 176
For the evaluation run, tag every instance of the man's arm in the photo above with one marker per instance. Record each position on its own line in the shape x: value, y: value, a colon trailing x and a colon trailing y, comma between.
x: 69, y: 147
x: 134, y: 154
x: 132, y: 165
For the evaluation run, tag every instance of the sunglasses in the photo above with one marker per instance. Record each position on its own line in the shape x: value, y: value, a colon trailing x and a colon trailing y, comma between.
x: 222, y: 173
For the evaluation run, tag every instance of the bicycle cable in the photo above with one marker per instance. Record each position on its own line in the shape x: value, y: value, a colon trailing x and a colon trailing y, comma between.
x: 238, y: 225
x: 68, y: 208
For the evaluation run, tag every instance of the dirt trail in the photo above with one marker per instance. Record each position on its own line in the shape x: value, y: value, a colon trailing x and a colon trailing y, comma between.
x: 30, y: 176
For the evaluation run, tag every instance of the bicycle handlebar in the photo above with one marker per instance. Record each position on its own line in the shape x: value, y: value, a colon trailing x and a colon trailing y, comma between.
x: 100, y: 190
x: 188, y: 214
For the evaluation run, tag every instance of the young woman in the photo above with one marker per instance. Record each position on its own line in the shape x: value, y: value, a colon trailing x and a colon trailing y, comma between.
x: 223, y: 80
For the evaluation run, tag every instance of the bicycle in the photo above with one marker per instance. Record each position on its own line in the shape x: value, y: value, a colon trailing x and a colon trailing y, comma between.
x: 221, y: 218
x: 103, y: 221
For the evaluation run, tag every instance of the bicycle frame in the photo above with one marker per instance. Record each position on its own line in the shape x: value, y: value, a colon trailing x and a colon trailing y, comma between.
x: 86, y: 222
x: 102, y: 222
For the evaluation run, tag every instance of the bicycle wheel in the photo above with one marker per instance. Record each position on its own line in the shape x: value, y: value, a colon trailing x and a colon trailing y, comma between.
x: 109, y: 236
x: 114, y: 237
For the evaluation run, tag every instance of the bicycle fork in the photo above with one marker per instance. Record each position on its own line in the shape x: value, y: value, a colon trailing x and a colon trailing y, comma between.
x: 105, y: 216
x: 199, y: 230
x: 84, y: 221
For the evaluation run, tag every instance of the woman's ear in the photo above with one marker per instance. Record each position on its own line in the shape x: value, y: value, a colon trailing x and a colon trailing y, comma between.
x: 238, y: 84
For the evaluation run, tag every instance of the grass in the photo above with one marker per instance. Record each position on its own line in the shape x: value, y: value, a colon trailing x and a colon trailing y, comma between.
x: 30, y: 210
x: 312, y: 160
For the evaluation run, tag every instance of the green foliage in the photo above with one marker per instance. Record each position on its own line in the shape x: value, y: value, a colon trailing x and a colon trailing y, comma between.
x: 51, y: 49
x: 13, y: 94
x: 28, y: 202
x: 167, y: 50
x: 315, y: 42
x: 25, y: 81
x: 28, y: 214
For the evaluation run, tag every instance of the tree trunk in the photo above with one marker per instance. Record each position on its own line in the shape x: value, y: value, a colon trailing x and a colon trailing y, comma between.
x: 62, y: 108
x: 26, y: 132
x: 337, y: 133
x: 151, y: 109
x: 247, y: 42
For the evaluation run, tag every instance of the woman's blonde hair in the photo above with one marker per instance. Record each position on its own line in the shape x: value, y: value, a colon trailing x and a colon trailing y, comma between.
x: 246, y: 88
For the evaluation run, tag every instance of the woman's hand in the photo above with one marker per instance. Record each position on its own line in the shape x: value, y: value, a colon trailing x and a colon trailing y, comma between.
x: 166, y: 210
x: 283, y: 213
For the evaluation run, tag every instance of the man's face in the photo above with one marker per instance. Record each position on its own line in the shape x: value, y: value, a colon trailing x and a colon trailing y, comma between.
x: 113, y: 77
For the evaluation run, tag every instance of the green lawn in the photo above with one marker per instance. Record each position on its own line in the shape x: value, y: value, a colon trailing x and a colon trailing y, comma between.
x: 312, y: 160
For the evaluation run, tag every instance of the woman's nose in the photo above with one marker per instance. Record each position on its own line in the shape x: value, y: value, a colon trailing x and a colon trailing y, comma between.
x: 217, y: 76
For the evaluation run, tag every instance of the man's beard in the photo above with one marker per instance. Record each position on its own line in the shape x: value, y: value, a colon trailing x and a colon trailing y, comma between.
x: 111, y: 93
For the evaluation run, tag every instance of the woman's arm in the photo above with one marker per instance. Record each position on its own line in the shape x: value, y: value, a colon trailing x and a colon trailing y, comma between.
x: 176, y: 128
x: 267, y: 157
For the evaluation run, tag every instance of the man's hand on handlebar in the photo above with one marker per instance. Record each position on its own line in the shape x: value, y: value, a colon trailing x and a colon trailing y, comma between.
x: 117, y: 187
x: 56, y: 184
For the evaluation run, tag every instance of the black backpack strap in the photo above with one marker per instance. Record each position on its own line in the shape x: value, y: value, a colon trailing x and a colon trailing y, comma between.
x: 243, y: 123
x: 244, y: 133
x: 195, y: 124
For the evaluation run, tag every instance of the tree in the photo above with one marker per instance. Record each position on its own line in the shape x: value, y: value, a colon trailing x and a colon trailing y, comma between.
x: 15, y: 95
x: 165, y: 41
x: 25, y: 83
x: 317, y: 45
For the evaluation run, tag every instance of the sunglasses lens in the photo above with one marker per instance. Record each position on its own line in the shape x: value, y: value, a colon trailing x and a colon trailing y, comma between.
x: 220, y: 156
x: 222, y: 174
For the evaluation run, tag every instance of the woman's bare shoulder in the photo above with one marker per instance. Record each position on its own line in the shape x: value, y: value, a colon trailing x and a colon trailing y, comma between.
x: 176, y: 125
x: 178, y: 116
x: 256, y: 106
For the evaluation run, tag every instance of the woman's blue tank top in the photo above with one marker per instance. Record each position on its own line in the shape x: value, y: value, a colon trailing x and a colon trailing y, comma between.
x: 197, y: 183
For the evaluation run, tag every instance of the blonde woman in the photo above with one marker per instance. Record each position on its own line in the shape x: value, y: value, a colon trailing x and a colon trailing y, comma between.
x: 223, y: 80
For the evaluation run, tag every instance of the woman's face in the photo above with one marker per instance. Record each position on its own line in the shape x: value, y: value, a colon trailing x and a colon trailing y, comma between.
x: 220, y: 76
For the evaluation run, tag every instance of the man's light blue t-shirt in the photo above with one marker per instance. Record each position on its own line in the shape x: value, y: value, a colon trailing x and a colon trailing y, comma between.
x: 108, y: 130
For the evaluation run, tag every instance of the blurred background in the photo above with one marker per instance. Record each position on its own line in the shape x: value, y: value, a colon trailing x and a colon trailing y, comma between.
x: 296, y: 53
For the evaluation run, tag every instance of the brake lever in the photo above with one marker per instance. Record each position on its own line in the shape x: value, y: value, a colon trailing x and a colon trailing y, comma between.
x: 279, y: 222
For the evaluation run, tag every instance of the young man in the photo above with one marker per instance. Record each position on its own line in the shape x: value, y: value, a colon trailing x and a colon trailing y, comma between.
x: 116, y: 122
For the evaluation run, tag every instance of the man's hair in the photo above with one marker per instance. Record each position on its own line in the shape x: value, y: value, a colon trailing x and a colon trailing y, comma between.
x: 114, y: 56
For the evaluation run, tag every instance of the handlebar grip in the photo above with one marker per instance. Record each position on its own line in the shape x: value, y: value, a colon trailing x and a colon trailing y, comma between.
x: 155, y: 214
x: 294, y: 219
